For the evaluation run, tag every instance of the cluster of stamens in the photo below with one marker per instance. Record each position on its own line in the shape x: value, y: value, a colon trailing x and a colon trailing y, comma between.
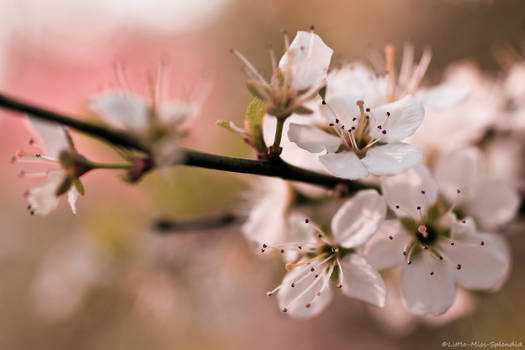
x: 321, y: 263
x: 358, y: 136
x: 427, y: 236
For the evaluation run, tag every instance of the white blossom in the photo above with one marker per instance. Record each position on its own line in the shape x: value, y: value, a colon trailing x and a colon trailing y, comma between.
x: 321, y: 258
x: 437, y: 251
x: 53, y: 139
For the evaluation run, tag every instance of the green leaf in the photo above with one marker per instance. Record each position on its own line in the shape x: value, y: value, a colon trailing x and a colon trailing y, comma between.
x: 256, y: 90
x: 79, y: 186
x: 230, y: 126
x: 254, y: 118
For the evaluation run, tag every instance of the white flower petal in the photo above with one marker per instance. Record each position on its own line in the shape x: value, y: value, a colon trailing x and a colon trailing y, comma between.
x: 292, y: 153
x: 266, y: 223
x: 175, y: 112
x: 362, y: 281
x: 383, y: 252
x: 307, y: 58
x: 358, y: 218
x: 457, y: 170
x: 359, y: 81
x: 392, y: 158
x: 72, y: 196
x: 295, y: 299
x: 428, y: 285
x: 400, y: 119
x: 312, y: 139
x: 124, y: 109
x: 407, y: 191
x: 444, y: 96
x: 42, y: 198
x: 481, y: 266
x: 493, y: 202
x: 51, y: 136
x: 345, y: 165
x: 340, y: 110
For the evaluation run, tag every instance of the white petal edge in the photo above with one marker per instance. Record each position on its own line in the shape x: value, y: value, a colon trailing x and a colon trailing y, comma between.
x: 358, y: 219
x: 392, y: 158
x: 428, y: 285
x: 383, y: 252
x: 362, y: 281
x: 312, y: 139
x: 345, y: 165
x: 123, y: 109
x: 51, y: 136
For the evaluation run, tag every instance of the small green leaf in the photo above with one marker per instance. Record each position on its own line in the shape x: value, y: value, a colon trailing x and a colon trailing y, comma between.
x: 79, y: 186
x: 254, y: 119
x: 230, y: 126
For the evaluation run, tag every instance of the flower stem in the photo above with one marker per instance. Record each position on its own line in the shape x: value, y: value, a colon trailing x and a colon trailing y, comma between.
x: 110, y: 166
x: 104, y: 133
x: 278, y: 136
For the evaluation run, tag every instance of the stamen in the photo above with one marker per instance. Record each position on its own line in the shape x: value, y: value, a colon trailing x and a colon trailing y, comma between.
x: 273, y: 60
x: 341, y: 277
x: 250, y: 67
x: 391, y: 71
x: 290, y: 266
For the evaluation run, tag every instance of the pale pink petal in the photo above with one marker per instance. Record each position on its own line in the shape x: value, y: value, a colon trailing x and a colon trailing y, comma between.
x: 362, y: 281
x: 124, y: 109
x: 345, y: 165
x: 51, y: 136
x: 312, y: 139
x: 444, y: 96
x: 358, y: 218
x: 308, y: 58
x: 428, y: 285
x: 385, y: 249
x: 478, y: 260
x: 302, y: 301
x: 392, y: 158
x: 340, y: 110
x: 405, y: 192
x: 72, y: 196
x: 42, y: 198
x: 493, y: 202
x: 399, y: 119
x: 458, y: 170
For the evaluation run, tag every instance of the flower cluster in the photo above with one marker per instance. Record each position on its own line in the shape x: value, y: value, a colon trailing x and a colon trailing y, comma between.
x: 421, y: 181
x: 435, y: 212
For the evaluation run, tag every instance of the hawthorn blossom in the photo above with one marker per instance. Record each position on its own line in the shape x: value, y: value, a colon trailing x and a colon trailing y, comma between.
x: 296, y: 79
x: 492, y: 202
x: 157, y: 121
x: 321, y: 258
x: 436, y: 250
x: 62, y: 175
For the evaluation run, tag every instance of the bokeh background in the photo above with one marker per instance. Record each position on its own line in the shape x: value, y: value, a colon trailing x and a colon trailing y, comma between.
x: 103, y: 279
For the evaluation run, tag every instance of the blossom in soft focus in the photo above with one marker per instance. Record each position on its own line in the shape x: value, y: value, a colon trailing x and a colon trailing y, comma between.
x: 267, y: 221
x: 397, y: 320
x: 322, y: 258
x: 491, y: 201
x: 472, y: 104
x: 70, y: 270
x: 157, y: 120
x: 296, y: 79
x: 435, y: 248
x: 63, y: 175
